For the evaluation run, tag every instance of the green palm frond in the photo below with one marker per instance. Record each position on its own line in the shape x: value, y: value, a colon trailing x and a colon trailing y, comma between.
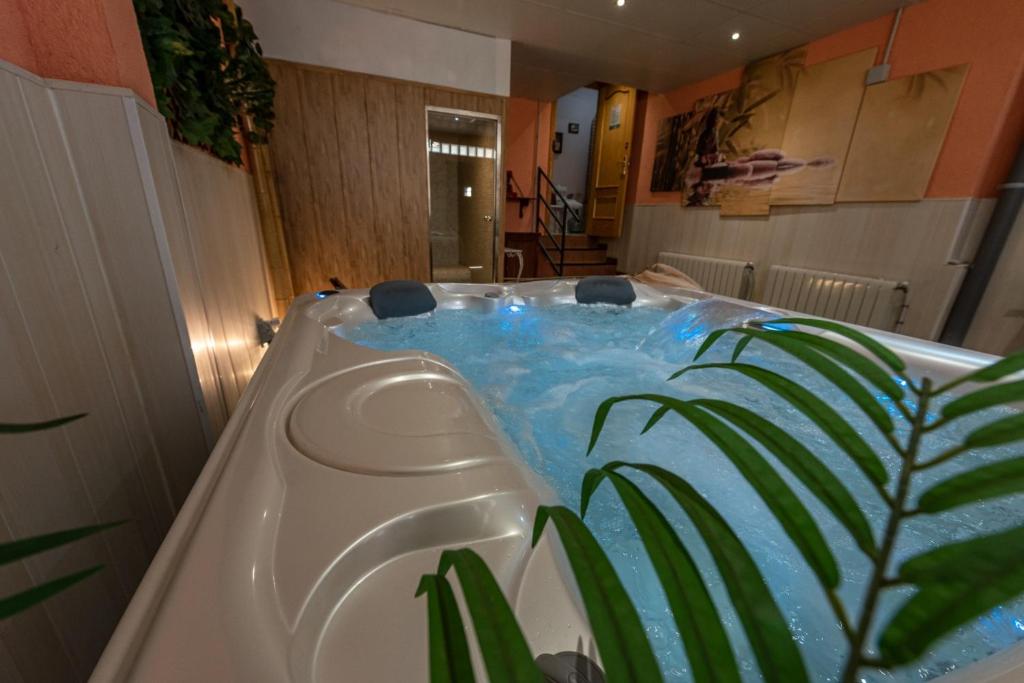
x: 27, y: 547
x: 952, y: 583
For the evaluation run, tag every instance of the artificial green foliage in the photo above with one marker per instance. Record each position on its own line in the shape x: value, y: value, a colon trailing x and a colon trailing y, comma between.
x: 26, y: 547
x: 449, y: 649
x: 506, y: 654
x: 208, y: 73
x: 952, y: 584
x: 617, y: 629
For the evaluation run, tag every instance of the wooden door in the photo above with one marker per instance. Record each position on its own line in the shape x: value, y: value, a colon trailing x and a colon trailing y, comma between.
x: 609, y: 172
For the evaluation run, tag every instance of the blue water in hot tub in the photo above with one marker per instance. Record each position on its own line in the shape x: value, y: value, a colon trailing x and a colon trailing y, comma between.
x: 544, y: 370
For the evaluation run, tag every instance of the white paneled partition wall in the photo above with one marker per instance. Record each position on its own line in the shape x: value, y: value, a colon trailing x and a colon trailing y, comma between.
x: 131, y: 276
x: 923, y: 243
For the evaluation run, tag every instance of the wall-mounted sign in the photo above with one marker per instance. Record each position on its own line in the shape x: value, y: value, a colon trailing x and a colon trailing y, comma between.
x: 556, y: 144
x: 615, y: 116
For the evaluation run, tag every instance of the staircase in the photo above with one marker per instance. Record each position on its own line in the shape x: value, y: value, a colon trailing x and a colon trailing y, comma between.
x: 562, y: 254
x: 583, y: 256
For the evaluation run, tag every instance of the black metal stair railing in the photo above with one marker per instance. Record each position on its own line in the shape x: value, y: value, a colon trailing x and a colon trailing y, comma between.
x: 557, y: 215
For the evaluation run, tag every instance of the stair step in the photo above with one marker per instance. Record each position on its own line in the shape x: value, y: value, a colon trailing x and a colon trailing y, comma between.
x: 608, y: 267
x: 597, y: 255
x: 584, y: 270
x: 571, y: 242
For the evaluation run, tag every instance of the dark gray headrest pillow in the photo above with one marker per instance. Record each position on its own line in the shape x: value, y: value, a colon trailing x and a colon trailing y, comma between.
x: 605, y: 289
x: 401, y: 298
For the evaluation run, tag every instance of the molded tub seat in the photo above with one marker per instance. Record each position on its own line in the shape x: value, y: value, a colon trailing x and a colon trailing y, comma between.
x: 339, y: 480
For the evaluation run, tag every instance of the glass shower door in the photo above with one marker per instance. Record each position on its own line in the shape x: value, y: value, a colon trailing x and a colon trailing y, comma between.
x: 463, y: 155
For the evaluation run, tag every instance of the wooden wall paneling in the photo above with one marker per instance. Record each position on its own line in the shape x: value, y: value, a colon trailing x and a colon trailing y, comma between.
x: 391, y: 237
x: 268, y: 203
x: 412, y: 163
x: 442, y: 98
x: 357, y: 216
x: 288, y: 145
x: 354, y: 198
x: 334, y: 238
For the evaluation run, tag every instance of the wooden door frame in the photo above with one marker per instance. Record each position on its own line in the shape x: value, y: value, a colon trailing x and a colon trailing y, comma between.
x: 593, y: 171
x: 497, y: 265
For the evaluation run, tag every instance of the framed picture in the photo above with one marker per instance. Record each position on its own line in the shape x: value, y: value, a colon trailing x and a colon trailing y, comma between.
x: 574, y: 128
x: 556, y: 144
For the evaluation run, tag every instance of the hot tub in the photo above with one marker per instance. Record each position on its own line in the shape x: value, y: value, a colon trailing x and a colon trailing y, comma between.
x: 346, y: 469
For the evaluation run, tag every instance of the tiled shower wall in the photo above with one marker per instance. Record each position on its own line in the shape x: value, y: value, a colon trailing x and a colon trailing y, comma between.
x: 444, y: 209
x: 476, y: 232
x: 460, y: 231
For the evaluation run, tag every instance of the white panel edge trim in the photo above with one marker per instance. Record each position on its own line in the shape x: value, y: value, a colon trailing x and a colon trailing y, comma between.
x: 167, y: 265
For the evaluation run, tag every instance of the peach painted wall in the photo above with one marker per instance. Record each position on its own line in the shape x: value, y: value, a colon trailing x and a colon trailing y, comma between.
x: 987, y: 125
x: 89, y: 41
x: 527, y: 138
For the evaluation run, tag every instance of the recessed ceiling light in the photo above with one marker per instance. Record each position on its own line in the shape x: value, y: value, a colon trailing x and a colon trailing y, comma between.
x: 735, y: 35
x: 620, y: 3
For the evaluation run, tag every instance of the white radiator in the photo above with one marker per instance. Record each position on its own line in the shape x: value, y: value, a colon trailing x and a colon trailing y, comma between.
x: 716, y: 275
x: 849, y: 298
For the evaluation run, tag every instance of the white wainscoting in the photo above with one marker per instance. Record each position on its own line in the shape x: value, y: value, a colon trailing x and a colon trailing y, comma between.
x: 222, y: 227
x: 117, y: 249
x: 920, y: 242
x: 998, y: 326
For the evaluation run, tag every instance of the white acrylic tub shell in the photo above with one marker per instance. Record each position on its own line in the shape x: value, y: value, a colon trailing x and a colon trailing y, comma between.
x: 339, y: 479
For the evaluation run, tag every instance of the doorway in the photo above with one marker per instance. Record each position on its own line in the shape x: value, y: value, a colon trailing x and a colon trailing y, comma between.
x: 593, y: 132
x: 575, y: 114
x: 464, y: 158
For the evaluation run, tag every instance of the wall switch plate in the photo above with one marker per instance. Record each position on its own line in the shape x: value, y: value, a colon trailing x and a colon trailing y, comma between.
x: 878, y: 74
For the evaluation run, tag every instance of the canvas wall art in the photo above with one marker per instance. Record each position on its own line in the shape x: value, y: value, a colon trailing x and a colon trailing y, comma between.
x: 671, y: 153
x: 820, y: 126
x: 752, y: 132
x: 686, y: 144
x: 898, y: 137
x: 709, y: 120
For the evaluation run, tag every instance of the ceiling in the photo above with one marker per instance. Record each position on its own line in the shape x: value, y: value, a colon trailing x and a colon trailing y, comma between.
x: 657, y: 45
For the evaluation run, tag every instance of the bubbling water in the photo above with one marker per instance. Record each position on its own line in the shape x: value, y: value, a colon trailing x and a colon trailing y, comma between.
x: 544, y: 370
